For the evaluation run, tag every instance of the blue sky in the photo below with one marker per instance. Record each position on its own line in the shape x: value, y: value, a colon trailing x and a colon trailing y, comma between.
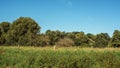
x: 90, y: 16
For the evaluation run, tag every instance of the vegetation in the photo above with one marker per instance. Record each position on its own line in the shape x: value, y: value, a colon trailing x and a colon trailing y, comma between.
x: 24, y: 31
x: 65, y: 42
x: 70, y: 57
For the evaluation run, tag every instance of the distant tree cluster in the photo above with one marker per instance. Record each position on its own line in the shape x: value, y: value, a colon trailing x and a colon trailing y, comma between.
x: 24, y: 31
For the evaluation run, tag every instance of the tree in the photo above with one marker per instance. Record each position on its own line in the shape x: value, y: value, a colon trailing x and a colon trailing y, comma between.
x: 54, y: 36
x: 44, y: 40
x: 4, y: 28
x: 81, y: 39
x: 115, y: 40
x: 91, y: 39
x: 70, y: 35
x: 23, y: 30
x: 102, y: 40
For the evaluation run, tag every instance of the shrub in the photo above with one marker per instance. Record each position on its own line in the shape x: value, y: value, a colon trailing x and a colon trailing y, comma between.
x: 66, y: 42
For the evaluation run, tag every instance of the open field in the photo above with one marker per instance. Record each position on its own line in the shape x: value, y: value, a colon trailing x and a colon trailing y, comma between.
x: 69, y: 57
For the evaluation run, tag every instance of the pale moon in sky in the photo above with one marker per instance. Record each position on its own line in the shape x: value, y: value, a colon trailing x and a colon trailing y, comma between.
x: 69, y: 4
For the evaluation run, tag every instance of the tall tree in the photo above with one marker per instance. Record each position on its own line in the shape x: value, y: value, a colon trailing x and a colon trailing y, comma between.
x: 4, y: 28
x: 81, y: 39
x: 70, y: 35
x: 44, y: 40
x: 23, y: 30
x: 115, y: 40
x: 91, y: 39
x: 102, y: 40
x: 54, y: 36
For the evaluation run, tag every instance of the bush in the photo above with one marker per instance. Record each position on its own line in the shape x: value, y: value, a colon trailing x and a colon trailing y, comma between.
x: 66, y: 42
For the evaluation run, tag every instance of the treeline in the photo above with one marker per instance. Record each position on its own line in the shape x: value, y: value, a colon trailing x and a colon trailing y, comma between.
x: 25, y: 31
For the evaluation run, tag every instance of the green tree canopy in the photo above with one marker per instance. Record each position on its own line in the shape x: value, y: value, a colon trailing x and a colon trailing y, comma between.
x: 81, y: 39
x: 23, y: 30
x: 54, y: 36
x: 115, y: 40
x: 102, y: 40
x: 4, y: 28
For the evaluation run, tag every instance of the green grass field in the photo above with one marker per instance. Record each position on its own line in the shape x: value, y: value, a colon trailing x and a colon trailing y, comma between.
x: 69, y: 57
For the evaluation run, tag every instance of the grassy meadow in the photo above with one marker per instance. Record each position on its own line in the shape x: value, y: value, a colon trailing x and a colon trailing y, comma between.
x: 67, y: 57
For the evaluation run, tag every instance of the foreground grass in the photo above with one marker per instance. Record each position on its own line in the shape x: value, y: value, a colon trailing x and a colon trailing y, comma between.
x: 47, y: 57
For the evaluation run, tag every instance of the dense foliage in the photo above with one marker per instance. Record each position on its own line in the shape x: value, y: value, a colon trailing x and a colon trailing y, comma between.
x: 32, y: 57
x: 24, y: 31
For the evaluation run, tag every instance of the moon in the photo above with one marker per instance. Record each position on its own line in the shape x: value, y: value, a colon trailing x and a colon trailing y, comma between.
x: 69, y: 4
